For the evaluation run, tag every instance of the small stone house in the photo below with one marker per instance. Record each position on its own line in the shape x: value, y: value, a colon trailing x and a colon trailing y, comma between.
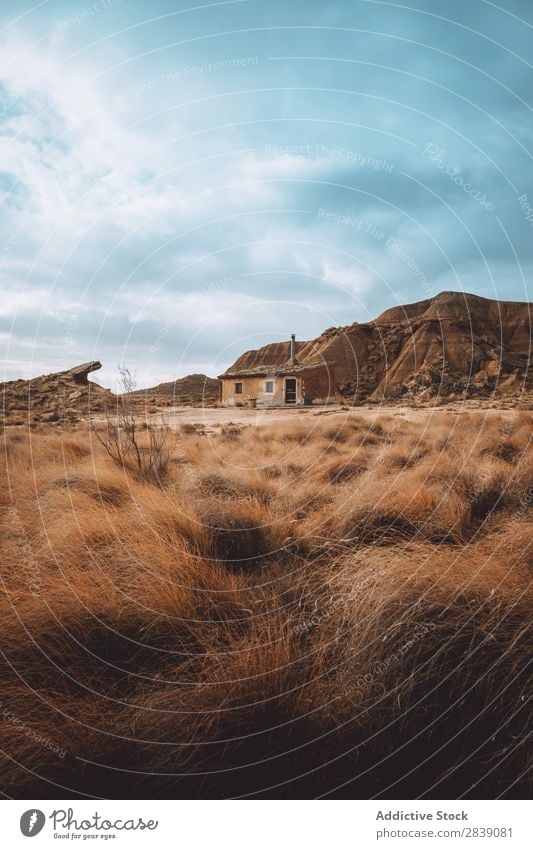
x: 287, y: 383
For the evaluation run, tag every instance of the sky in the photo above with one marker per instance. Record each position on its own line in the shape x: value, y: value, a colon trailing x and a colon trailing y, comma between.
x: 183, y: 181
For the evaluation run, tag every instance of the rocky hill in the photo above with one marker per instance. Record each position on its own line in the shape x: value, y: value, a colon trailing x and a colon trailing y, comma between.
x: 451, y: 346
x: 68, y: 396
x: 59, y: 397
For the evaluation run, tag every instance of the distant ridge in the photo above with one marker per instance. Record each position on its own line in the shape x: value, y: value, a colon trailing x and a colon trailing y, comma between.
x: 192, y: 389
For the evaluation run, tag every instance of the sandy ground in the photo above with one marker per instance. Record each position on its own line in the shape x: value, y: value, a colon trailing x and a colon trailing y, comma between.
x: 214, y: 418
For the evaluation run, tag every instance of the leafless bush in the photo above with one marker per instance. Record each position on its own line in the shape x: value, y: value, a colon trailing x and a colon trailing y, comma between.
x: 133, y: 442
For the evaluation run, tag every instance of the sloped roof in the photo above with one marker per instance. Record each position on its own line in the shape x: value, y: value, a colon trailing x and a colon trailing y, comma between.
x: 266, y: 370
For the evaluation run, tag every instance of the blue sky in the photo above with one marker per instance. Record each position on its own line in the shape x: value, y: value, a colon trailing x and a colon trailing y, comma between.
x: 182, y: 181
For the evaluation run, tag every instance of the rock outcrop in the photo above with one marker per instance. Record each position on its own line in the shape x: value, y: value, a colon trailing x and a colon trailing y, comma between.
x: 452, y: 346
x: 59, y: 397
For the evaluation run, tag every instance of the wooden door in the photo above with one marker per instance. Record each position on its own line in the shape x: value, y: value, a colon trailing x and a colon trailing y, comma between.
x: 290, y: 390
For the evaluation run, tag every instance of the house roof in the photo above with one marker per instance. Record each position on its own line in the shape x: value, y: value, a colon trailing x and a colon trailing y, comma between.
x: 266, y: 370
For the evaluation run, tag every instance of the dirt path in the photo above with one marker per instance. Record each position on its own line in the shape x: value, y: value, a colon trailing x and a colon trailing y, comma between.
x: 213, y: 419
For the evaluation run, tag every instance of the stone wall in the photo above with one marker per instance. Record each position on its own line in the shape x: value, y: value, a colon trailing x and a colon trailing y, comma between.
x: 316, y: 385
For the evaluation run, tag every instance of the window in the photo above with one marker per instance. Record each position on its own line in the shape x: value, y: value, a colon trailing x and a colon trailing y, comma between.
x: 269, y: 386
x: 238, y: 389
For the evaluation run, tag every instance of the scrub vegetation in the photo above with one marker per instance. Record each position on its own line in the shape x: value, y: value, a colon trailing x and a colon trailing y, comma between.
x: 333, y: 606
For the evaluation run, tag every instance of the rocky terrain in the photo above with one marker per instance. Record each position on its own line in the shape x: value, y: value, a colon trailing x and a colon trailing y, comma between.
x: 451, y: 347
x: 68, y: 396
x: 60, y: 397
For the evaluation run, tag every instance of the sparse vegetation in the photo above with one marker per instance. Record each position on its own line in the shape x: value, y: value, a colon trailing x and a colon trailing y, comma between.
x: 130, y: 439
x: 333, y: 606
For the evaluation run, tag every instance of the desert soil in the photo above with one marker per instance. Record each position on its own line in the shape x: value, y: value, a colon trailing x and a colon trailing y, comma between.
x: 212, y: 419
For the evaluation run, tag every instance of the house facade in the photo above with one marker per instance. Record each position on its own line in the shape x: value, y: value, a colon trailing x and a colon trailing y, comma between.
x: 290, y: 383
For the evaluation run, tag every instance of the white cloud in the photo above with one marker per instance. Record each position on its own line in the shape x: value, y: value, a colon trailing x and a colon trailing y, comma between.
x: 131, y: 207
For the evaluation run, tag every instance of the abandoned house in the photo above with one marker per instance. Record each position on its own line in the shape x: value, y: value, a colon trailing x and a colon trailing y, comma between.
x: 277, y: 379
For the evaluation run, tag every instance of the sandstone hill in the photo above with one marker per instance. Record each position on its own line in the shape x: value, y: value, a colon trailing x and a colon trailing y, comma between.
x: 60, y: 397
x: 452, y: 346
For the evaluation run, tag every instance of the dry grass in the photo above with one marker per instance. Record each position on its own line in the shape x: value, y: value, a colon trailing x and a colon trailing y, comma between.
x: 290, y: 611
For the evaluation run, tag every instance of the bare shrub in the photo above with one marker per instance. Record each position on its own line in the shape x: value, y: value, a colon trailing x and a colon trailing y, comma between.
x: 231, y: 433
x: 121, y: 435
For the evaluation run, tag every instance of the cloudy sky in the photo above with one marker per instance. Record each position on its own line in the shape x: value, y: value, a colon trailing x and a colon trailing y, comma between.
x: 181, y: 181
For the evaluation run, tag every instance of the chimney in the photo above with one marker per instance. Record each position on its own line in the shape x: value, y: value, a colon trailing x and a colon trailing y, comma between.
x: 293, y: 350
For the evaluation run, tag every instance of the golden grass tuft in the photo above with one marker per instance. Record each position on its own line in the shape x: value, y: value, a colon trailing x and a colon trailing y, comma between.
x: 338, y: 606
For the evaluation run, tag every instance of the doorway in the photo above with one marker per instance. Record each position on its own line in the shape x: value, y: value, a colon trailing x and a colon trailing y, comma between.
x: 290, y: 390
